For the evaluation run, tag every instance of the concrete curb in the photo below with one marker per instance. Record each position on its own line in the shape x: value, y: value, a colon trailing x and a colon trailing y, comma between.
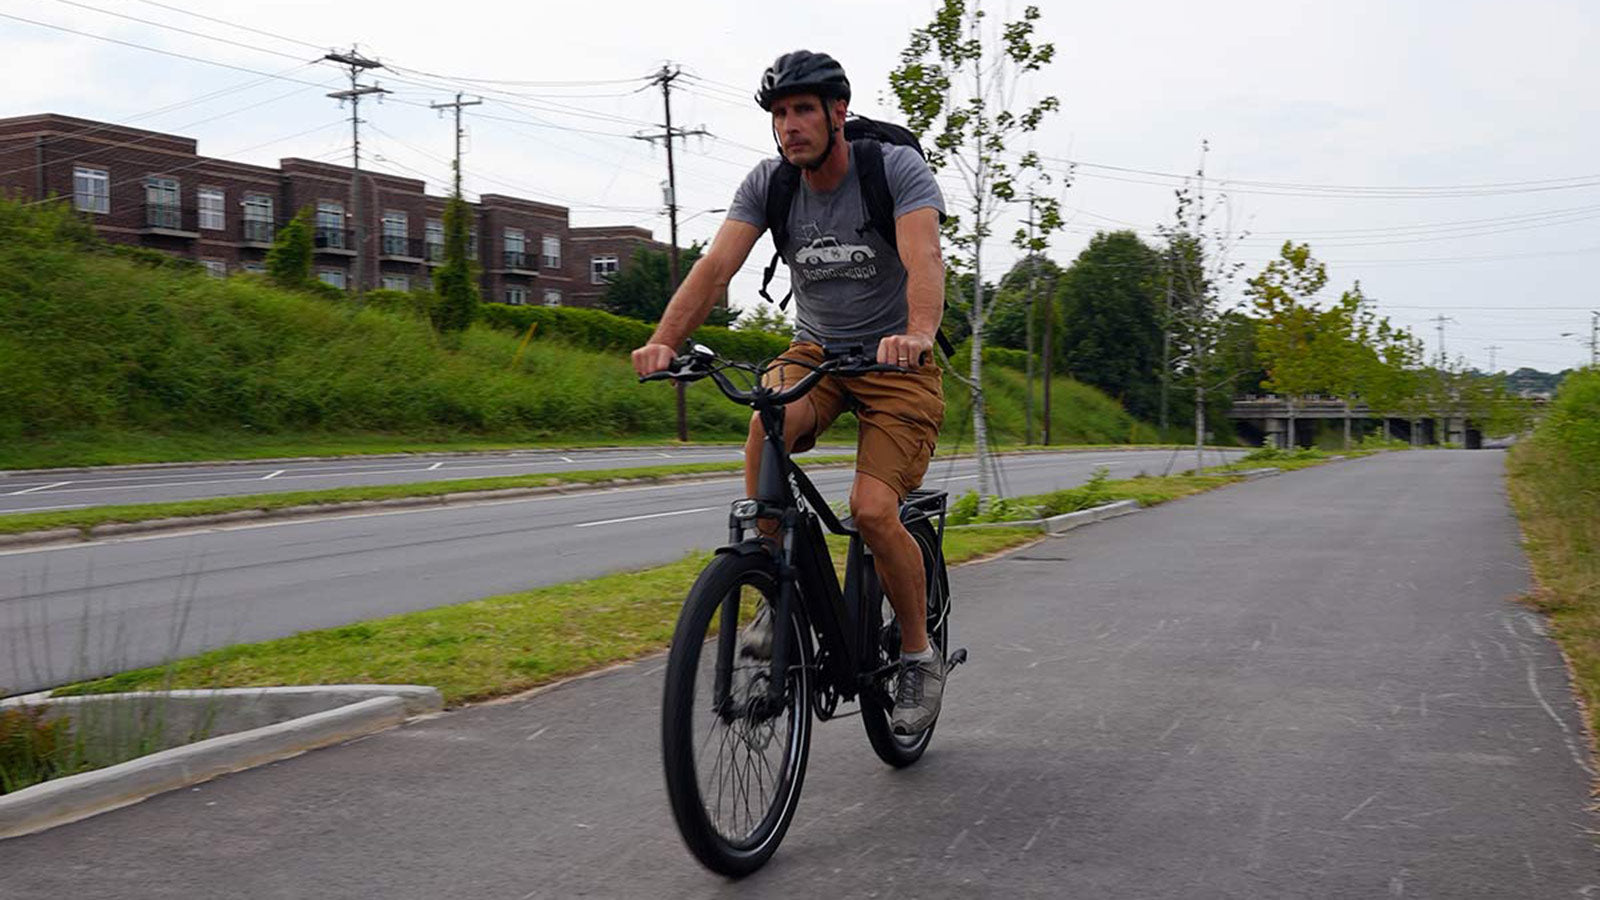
x: 64, y: 800
x: 1067, y: 521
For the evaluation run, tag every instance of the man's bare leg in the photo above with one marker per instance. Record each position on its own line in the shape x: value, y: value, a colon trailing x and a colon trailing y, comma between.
x: 876, y: 508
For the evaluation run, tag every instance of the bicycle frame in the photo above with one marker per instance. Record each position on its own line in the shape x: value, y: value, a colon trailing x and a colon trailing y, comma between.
x: 846, y: 624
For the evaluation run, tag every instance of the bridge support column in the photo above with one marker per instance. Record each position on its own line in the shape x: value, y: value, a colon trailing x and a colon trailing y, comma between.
x: 1455, y: 430
x: 1277, y: 433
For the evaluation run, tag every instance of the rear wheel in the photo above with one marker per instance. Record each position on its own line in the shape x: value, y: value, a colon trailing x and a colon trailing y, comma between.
x: 733, y: 767
x: 877, y: 701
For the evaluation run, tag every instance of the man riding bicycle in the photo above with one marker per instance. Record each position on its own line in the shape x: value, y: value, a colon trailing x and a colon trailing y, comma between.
x: 851, y: 287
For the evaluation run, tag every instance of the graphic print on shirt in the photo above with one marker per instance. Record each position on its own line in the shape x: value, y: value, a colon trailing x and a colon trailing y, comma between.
x: 822, y: 257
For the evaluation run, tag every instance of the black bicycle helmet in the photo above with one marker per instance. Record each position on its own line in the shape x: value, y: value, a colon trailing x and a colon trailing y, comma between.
x: 803, y: 72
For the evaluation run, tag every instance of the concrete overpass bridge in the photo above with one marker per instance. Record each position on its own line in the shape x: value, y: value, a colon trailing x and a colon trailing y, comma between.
x: 1265, y: 420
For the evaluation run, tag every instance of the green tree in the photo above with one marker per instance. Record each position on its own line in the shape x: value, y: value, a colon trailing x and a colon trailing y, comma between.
x: 1111, y: 330
x: 767, y: 319
x: 289, y: 260
x: 642, y: 288
x: 957, y: 85
x: 1284, y: 294
x: 456, y: 281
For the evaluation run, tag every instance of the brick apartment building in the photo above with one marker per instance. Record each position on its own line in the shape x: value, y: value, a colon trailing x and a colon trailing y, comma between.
x: 155, y: 190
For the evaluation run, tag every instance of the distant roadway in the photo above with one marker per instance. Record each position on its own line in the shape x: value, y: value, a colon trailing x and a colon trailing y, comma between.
x: 25, y: 491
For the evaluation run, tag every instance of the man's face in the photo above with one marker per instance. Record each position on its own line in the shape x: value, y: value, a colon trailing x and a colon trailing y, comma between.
x: 801, y: 124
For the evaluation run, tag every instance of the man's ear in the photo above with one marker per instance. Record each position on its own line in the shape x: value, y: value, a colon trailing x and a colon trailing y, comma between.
x: 841, y: 107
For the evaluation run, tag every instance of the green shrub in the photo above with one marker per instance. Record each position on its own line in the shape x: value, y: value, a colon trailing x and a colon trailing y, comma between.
x: 594, y: 329
x: 31, y: 749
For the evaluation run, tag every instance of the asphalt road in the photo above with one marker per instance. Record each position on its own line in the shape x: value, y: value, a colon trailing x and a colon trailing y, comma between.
x: 24, y: 491
x: 89, y: 609
x: 1313, y: 686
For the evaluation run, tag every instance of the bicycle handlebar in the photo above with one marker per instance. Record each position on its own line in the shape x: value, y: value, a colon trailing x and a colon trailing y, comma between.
x: 701, y: 362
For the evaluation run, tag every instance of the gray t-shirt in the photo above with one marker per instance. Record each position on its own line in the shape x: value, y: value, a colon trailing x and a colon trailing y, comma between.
x: 849, y: 283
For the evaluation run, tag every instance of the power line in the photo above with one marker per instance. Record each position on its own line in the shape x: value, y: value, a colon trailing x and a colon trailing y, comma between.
x: 172, y: 53
x: 208, y: 37
x: 317, y: 47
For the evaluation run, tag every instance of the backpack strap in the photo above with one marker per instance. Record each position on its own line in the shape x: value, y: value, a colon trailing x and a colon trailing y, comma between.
x: 879, y: 203
x: 875, y: 195
x: 780, y: 196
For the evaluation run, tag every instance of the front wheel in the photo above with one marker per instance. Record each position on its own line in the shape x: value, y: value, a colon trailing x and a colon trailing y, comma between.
x: 877, y: 701
x: 733, y: 764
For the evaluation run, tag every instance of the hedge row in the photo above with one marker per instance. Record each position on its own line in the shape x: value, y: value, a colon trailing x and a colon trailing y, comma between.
x: 593, y: 329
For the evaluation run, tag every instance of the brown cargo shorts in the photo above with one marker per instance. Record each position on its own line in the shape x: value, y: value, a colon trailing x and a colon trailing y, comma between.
x: 899, y: 415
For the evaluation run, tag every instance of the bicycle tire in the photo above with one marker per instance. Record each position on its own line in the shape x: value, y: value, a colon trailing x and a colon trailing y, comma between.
x: 708, y: 826
x: 877, y: 704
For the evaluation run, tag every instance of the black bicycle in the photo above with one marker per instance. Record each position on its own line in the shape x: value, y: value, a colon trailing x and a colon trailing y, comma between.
x: 736, y: 715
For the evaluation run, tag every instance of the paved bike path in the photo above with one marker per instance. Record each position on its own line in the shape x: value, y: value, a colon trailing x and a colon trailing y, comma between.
x: 1308, y: 686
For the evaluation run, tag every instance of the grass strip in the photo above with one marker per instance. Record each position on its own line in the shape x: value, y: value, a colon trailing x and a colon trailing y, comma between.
x: 1557, y: 499
x: 486, y: 648
x: 85, y: 519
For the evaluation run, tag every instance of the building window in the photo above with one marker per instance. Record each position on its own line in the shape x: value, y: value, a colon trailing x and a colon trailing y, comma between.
x: 162, y: 208
x: 216, y: 268
x: 601, y: 268
x: 433, y: 240
x: 258, y: 221
x: 253, y: 268
x: 552, y: 252
x: 394, y: 233
x: 552, y: 297
x: 516, y: 295
x: 516, y: 246
x: 334, y: 277
x: 472, y: 243
x: 396, y: 283
x: 330, y: 226
x: 212, y: 216
x: 91, y: 189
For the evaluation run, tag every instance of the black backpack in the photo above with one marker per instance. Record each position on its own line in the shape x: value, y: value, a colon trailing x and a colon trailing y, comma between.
x: 866, y: 137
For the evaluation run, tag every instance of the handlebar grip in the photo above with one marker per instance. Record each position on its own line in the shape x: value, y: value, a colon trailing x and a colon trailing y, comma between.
x: 662, y: 375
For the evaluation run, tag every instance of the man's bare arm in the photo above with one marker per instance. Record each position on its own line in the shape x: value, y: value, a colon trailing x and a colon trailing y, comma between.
x: 917, y: 234
x: 694, y: 298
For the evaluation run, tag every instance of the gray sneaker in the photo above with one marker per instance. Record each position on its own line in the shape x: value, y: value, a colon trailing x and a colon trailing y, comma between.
x: 916, y: 699
x: 755, y: 639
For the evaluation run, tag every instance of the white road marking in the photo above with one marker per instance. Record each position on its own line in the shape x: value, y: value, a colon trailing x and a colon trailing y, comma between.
x: 435, y: 466
x: 42, y: 508
x: 680, y: 512
x: 566, y: 459
x: 38, y: 487
x: 272, y: 475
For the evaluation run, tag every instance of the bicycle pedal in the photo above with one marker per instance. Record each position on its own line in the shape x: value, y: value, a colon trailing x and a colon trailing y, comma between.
x: 956, y: 658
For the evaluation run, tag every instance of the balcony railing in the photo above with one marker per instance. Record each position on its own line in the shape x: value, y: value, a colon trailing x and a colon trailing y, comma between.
x: 165, y: 216
x: 516, y: 259
x: 396, y: 245
x: 259, y: 231
x: 333, y: 238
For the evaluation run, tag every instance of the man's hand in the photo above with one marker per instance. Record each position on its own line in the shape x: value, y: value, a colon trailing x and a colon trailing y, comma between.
x: 903, y: 349
x: 652, y: 358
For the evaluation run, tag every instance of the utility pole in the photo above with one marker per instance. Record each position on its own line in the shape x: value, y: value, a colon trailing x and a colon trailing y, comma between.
x: 1594, y: 339
x: 1440, y: 319
x: 664, y: 78
x: 457, y: 105
x: 1027, y: 407
x: 357, y: 64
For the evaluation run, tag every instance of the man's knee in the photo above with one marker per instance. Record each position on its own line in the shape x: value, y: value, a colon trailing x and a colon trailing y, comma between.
x: 876, y: 511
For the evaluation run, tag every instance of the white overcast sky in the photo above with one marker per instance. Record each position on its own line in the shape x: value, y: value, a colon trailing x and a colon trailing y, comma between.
x: 1422, y: 97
